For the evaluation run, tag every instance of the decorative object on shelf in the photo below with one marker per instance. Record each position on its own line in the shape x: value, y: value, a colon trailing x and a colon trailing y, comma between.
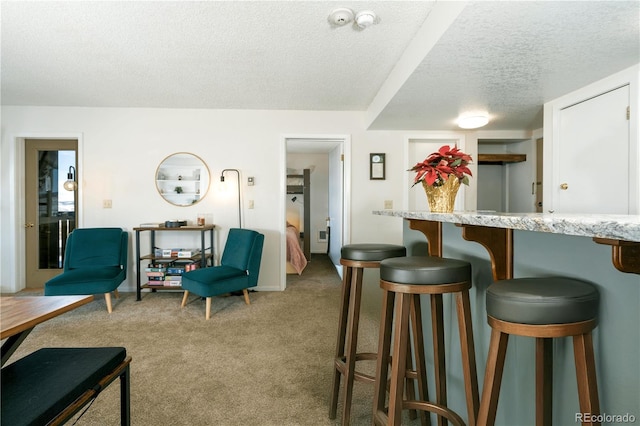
x: 441, y: 174
x: 376, y: 166
x: 175, y: 223
x: 71, y: 184
x: 182, y: 179
x: 239, y: 196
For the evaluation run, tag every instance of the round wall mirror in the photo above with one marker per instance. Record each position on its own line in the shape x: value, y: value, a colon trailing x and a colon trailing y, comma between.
x: 182, y: 179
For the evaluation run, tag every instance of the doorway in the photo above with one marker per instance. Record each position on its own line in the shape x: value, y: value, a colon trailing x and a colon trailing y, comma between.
x: 50, y: 206
x: 328, y: 224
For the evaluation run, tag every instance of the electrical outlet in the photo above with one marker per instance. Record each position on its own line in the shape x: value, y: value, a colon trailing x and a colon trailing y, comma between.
x: 250, y: 204
x: 388, y: 204
x: 106, y: 204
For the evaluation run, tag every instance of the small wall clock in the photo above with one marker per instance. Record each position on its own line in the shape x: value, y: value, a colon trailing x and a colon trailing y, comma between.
x: 376, y: 166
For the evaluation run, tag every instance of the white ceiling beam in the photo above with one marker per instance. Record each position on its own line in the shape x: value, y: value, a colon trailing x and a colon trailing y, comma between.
x: 437, y: 22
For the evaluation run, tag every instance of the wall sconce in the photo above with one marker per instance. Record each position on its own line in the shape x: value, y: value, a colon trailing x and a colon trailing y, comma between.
x: 239, y: 198
x: 71, y: 184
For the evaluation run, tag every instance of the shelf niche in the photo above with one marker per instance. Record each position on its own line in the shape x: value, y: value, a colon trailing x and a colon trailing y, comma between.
x: 501, y: 159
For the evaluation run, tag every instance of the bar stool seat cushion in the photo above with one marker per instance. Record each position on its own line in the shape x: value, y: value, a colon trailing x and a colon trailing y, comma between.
x: 371, y: 252
x: 42, y: 384
x: 424, y: 270
x: 545, y: 300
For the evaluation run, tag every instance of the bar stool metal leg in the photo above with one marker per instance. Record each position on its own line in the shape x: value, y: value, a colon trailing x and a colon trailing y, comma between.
x: 418, y: 349
x: 468, y: 353
x: 340, y: 344
x: 493, y: 377
x: 355, y: 258
x: 437, y: 325
x: 544, y: 381
x: 382, y: 365
x: 586, y: 373
x: 352, y: 343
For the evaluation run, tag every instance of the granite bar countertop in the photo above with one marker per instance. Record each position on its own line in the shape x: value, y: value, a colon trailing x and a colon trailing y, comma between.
x: 617, y: 227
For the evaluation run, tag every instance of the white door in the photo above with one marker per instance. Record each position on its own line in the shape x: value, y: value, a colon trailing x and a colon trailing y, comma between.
x: 336, y: 204
x: 592, y: 171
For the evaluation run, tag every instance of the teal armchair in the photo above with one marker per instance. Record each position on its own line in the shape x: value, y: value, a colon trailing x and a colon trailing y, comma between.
x: 95, y: 262
x: 238, y: 270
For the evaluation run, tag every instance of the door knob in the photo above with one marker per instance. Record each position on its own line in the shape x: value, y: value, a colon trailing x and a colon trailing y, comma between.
x: 29, y: 225
x: 564, y: 186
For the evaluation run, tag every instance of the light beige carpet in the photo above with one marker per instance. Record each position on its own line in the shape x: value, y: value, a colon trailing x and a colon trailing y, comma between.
x: 269, y: 363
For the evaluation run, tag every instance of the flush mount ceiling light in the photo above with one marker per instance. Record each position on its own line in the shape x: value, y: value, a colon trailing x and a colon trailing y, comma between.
x: 366, y: 18
x: 340, y: 16
x: 473, y: 121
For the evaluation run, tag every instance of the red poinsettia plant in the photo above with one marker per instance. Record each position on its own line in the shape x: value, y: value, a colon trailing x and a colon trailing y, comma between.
x: 439, y: 166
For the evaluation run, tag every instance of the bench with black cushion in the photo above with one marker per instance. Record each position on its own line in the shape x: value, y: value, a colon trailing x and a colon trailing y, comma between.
x: 52, y: 384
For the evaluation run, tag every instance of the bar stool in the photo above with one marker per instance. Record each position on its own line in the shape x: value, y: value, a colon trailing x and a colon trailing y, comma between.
x: 354, y: 258
x: 408, y: 278
x: 543, y: 308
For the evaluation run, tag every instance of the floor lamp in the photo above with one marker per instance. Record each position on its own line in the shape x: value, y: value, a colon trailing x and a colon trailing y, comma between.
x: 239, y: 198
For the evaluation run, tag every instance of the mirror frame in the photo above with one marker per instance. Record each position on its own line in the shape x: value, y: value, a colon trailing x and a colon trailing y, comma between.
x: 180, y: 175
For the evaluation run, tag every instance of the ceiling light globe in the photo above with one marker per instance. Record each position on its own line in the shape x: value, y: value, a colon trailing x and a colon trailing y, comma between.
x: 473, y: 121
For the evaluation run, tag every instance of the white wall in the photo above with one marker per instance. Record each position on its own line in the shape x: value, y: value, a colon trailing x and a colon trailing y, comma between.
x: 120, y: 149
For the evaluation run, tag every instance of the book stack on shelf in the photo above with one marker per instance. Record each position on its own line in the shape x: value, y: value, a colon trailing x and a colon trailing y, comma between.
x: 168, y: 274
x: 178, y: 253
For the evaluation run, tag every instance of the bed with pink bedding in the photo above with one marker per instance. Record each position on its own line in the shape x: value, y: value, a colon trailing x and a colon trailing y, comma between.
x: 295, y: 255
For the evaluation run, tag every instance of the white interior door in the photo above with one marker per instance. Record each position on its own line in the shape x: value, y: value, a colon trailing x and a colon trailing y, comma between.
x: 592, y: 168
x: 336, y: 204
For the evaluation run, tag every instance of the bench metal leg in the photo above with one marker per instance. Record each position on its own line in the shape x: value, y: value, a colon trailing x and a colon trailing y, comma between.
x: 125, y: 398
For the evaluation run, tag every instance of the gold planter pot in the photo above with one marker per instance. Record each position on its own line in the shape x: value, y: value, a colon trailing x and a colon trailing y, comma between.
x: 442, y: 198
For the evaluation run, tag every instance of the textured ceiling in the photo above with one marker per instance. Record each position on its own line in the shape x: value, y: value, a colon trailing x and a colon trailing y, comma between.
x: 504, y: 57
x: 509, y: 58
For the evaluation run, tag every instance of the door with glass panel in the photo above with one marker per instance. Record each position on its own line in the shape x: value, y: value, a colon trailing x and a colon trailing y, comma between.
x: 50, y: 206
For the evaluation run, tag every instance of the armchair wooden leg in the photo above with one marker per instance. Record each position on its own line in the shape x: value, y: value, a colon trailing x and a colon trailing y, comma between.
x: 116, y: 294
x: 246, y: 296
x: 184, y: 299
x: 208, y: 309
x: 107, y: 298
